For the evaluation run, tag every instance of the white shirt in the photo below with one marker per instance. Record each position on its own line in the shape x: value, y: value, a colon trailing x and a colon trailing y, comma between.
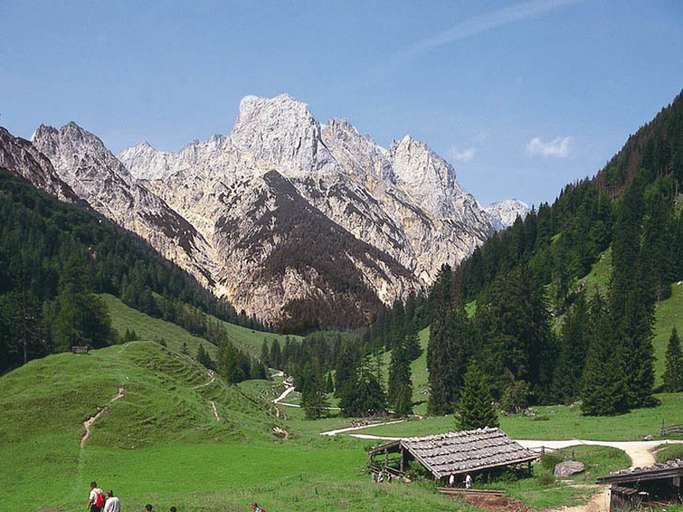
x: 93, y: 494
x: 112, y: 505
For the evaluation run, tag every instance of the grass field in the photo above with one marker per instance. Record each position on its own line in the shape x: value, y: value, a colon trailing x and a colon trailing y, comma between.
x: 161, y: 443
x: 561, y: 422
x: 669, y: 452
x: 148, y: 328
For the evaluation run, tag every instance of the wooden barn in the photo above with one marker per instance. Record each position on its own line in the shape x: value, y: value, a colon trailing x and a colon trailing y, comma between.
x: 452, y: 453
x: 659, y: 484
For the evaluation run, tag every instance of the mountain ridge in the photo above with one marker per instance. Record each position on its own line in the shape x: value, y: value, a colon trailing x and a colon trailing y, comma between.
x: 394, y: 215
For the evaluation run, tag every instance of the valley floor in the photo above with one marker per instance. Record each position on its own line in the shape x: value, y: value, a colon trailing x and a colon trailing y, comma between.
x: 177, y: 436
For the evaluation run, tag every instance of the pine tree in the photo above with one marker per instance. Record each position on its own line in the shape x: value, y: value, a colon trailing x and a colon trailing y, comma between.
x: 573, y: 348
x: 362, y: 394
x: 412, y: 345
x: 265, y: 353
x: 346, y: 367
x: 184, y: 350
x: 276, y: 356
x: 673, y: 374
x: 440, y: 392
x: 603, y: 387
x: 633, y: 291
x: 204, y: 358
x: 313, y: 391
x: 400, y: 389
x: 476, y: 408
x: 329, y: 386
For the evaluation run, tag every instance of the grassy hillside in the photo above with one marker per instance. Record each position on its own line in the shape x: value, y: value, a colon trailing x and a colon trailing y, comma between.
x: 166, y: 400
x: 152, y: 329
x: 161, y: 443
x: 149, y: 328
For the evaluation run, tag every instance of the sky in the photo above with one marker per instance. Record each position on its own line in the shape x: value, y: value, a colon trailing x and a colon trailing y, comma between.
x: 522, y: 97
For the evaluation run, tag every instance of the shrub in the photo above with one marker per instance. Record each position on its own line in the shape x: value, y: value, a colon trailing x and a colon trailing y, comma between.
x: 550, y: 460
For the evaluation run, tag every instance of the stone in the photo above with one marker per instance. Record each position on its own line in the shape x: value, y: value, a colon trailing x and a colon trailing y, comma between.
x: 569, y: 468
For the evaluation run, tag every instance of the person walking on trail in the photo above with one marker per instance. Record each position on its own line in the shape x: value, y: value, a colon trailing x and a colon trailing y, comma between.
x: 256, y: 508
x: 112, y: 504
x: 468, y: 481
x: 95, y: 498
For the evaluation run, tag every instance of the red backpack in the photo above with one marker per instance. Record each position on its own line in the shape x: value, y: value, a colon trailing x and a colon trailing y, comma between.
x: 99, y: 499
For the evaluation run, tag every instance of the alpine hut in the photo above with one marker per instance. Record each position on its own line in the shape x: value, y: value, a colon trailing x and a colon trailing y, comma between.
x: 634, y: 488
x: 452, y: 453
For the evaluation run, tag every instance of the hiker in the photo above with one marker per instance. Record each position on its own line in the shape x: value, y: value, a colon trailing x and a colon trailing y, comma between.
x: 112, y: 504
x: 255, y: 508
x: 468, y: 481
x: 148, y: 508
x: 95, y: 498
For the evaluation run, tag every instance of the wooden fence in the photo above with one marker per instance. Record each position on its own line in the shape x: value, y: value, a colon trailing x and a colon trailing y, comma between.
x: 672, y: 430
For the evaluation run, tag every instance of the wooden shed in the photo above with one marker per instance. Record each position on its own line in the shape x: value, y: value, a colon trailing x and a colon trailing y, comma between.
x: 452, y: 453
x: 660, y: 483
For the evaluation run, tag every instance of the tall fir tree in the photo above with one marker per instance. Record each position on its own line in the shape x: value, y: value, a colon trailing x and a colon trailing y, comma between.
x: 265, y: 354
x: 313, y: 397
x: 362, y: 394
x: 573, y: 348
x: 450, y: 341
x: 476, y: 408
x: 400, y: 389
x: 603, y: 388
x: 673, y: 372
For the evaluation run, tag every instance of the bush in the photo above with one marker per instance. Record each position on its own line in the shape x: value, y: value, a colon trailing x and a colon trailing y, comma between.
x: 550, y: 460
x: 516, y: 397
x: 546, y: 479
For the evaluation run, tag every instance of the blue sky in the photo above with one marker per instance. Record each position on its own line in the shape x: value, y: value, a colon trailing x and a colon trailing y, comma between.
x: 522, y: 97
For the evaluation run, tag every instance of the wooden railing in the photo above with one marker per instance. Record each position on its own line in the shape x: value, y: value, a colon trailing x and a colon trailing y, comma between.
x: 672, y: 430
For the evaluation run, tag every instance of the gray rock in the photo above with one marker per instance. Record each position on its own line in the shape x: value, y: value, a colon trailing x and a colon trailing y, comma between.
x: 569, y: 468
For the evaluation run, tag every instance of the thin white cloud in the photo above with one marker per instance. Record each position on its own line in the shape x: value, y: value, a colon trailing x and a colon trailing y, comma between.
x: 465, y: 155
x: 558, y: 147
x: 484, y: 22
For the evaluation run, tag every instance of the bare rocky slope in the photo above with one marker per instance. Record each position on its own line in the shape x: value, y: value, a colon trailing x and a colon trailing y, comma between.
x: 305, y: 225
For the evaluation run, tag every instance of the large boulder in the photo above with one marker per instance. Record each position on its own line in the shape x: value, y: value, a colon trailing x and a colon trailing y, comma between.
x: 568, y: 468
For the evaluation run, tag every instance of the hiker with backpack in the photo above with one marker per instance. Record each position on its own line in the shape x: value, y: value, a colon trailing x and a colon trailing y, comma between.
x: 95, y: 498
x: 112, y: 504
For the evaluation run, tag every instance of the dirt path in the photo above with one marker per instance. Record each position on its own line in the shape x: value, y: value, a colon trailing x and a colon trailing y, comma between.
x: 352, y: 429
x: 640, y: 452
x: 90, y: 421
x: 284, y: 394
x: 214, y: 410
x: 212, y: 379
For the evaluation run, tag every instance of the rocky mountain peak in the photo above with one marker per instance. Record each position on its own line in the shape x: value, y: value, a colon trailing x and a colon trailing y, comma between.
x: 504, y: 213
x: 426, y: 176
x: 74, y: 151
x: 280, y: 132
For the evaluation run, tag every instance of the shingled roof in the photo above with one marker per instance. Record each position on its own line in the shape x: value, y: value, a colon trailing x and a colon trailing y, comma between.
x: 666, y: 469
x: 456, y: 453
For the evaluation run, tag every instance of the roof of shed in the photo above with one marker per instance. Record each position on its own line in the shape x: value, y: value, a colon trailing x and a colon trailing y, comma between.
x: 662, y: 470
x: 454, y: 453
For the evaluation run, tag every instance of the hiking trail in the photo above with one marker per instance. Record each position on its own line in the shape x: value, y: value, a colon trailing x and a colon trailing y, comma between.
x: 90, y: 421
x: 212, y: 379
x: 214, y: 411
